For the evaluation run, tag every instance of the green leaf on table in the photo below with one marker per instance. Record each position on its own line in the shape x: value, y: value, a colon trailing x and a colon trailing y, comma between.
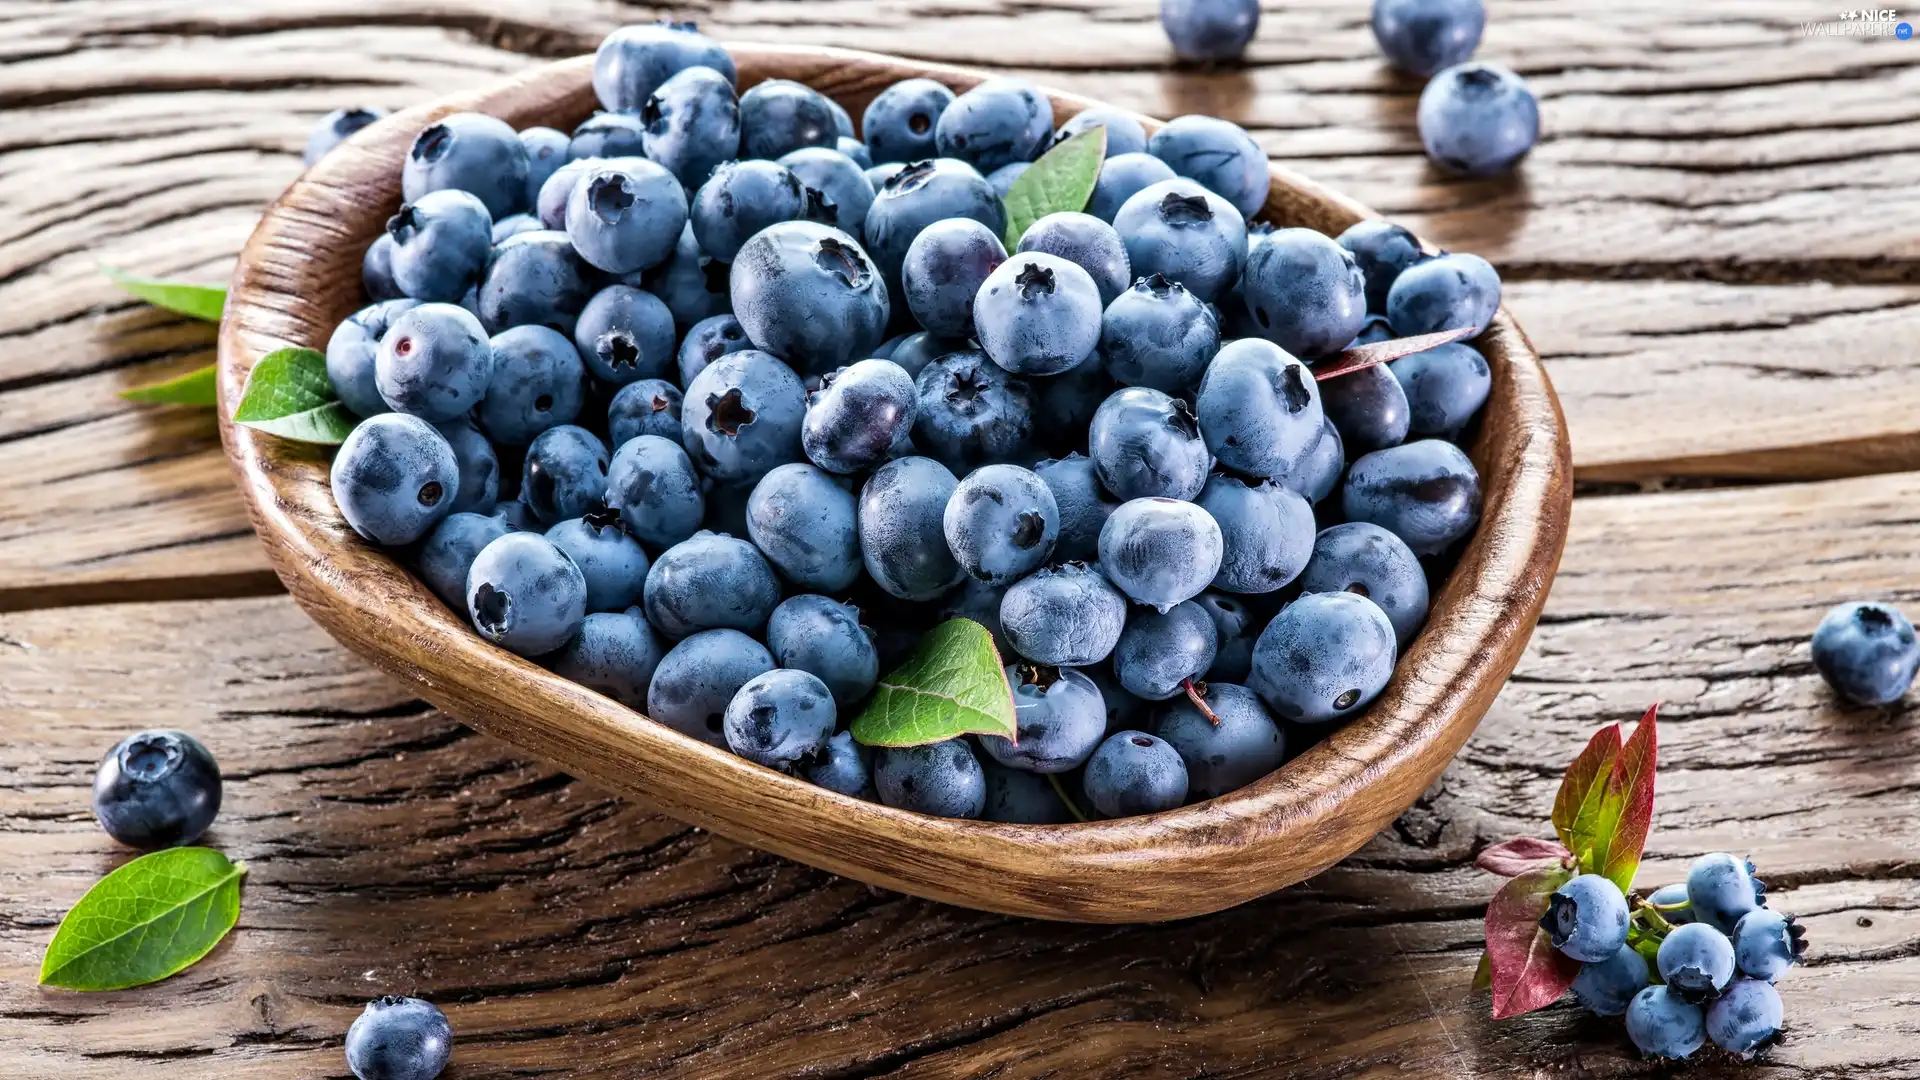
x: 1060, y: 182
x: 203, y: 302
x: 1524, y: 969
x: 1582, y: 788
x: 193, y: 388
x: 149, y: 919
x: 289, y: 395
x: 952, y: 685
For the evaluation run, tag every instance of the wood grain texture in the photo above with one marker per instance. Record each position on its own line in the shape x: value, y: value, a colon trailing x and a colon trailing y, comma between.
x: 299, y: 274
x: 568, y: 932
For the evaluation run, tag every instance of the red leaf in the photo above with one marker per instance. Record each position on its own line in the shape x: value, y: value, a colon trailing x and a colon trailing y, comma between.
x: 1528, y: 973
x: 1628, y: 807
x: 1365, y: 356
x: 1582, y: 789
x: 1511, y: 858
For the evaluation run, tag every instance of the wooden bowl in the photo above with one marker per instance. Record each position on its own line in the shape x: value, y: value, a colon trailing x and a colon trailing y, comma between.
x: 300, y: 275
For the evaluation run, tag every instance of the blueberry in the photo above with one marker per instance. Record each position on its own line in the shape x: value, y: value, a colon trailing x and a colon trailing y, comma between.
x: 710, y: 581
x: 395, y: 478
x: 916, y: 351
x: 1059, y: 720
x: 352, y: 350
x: 514, y: 514
x: 1445, y: 388
x: 1867, y: 652
x: 509, y: 227
x: 625, y: 334
x: 547, y: 151
x: 608, y: 135
x: 804, y: 522
x: 856, y: 152
x: 742, y: 416
x: 916, y: 197
x: 1369, y: 409
x: 468, y: 152
x: 692, y: 283
x: 1125, y: 710
x: 633, y: 61
x: 1157, y: 334
x: 1267, y: 533
x: 944, y: 269
x: 1372, y: 332
x: 1745, y: 1018
x: 1478, y: 119
x: 1606, y: 988
x: 610, y: 559
x: 691, y: 124
x: 1220, y: 155
x: 1066, y: 616
x: 1369, y: 561
x: 156, y: 789
x: 440, y: 245
x: 780, y: 116
x: 1446, y: 292
x: 1324, y: 657
x: 840, y: 180
x: 538, y: 382
x: 1160, y: 551
x: 1087, y: 242
x: 651, y: 481
x: 1422, y: 36
x: 1016, y: 797
x: 902, y: 531
x: 398, y: 1038
x: 1238, y: 745
x: 1766, y: 943
x: 376, y: 270
x: 859, y: 414
x: 878, y: 175
x: 1038, y: 314
x: 808, y: 294
x: 1383, y: 251
x: 1663, y: 1025
x: 1305, y: 293
x: 1003, y: 177
x: 1696, y: 961
x: 699, y: 677
x: 479, y: 466
x: 980, y: 602
x: 900, y: 122
x: 1185, y: 233
x: 740, y: 199
x: 449, y: 551
x: 647, y: 407
x: 1314, y: 476
x: 1209, y: 30
x: 1132, y: 773
x: 1721, y: 889
x: 626, y: 215
x: 1000, y: 121
x: 535, y: 278
x: 824, y: 637
x: 337, y: 127
x: 1001, y: 523
x: 1668, y: 895
x: 550, y: 206
x: 971, y: 412
x: 708, y: 340
x: 845, y: 767
x: 615, y: 653
x: 1235, y: 628
x: 1160, y: 651
x: 525, y: 594
x: 943, y: 779
x: 1125, y: 135
x: 565, y: 473
x: 1084, y: 505
x: 1426, y: 493
x: 779, y: 718
x: 1122, y: 176
x: 1586, y: 918
x: 1259, y: 409
x: 1147, y: 444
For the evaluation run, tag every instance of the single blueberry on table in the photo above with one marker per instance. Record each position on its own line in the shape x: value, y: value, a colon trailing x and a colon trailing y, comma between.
x: 691, y: 124
x: 399, y: 1038
x: 647, y: 407
x: 1000, y: 121
x: 1368, y: 407
x: 1159, y: 335
x: 1058, y: 716
x: 468, y: 152
x: 1267, y: 533
x: 1305, y: 293
x: 449, y: 551
x: 1066, y: 615
x: 1159, y: 652
x: 1663, y: 1025
x: 857, y: 417
x: 1259, y: 409
x: 564, y: 474
x: 337, y: 127
x: 824, y: 637
x: 1721, y: 889
x: 808, y: 294
x: 845, y: 767
x: 919, y: 195
x: 440, y: 245
x: 610, y: 559
x: 1017, y: 797
x: 708, y: 340
x: 971, y: 412
x: 1420, y: 37
x: 1084, y: 505
x: 1239, y: 744
x: 902, y: 528
x: 1147, y: 444
x: 943, y: 271
x: 943, y: 779
x: 1446, y: 292
x: 1125, y: 134
x: 1367, y: 560
x: 156, y: 789
x: 633, y: 61
x: 1323, y: 658
x: 1745, y: 1018
x: 1087, y: 242
x: 525, y: 594
x: 1001, y: 523
x: 608, y: 135
x: 1383, y: 252
x: 376, y: 270
x: 1209, y: 30
x: 1427, y: 493
x: 626, y: 214
x: 535, y: 278
x: 538, y: 382
x: 1132, y: 773
x: 1219, y: 154
x: 1606, y: 988
x: 780, y: 116
x: 693, y: 284
x: 1122, y: 176
x: 395, y: 478
x: 353, y: 350
x: 710, y: 581
x: 1038, y: 314
x: 615, y: 653
x: 780, y: 718
x: 1586, y: 918
x: 803, y: 520
x: 840, y: 180
x: 1235, y: 627
x: 653, y: 484
x: 1184, y: 232
x: 1696, y: 961
x: 1160, y: 551
x: 1767, y: 943
x: 625, y: 334
x: 742, y: 417
x: 546, y: 153
x: 1867, y: 652
x: 479, y: 486
x: 900, y: 123
x: 1478, y: 119
x: 697, y: 679
x: 1445, y: 388
x: 740, y: 199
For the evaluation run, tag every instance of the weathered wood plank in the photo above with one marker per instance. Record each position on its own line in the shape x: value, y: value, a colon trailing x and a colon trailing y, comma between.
x: 567, y: 932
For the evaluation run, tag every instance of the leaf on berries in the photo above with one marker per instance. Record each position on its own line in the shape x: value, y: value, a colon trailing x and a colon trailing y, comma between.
x: 952, y: 685
x: 194, y: 388
x: 1526, y: 971
x: 1625, y: 814
x: 1581, y: 790
x: 1511, y: 858
x: 289, y: 395
x: 203, y: 302
x: 1060, y: 182
x: 1380, y: 352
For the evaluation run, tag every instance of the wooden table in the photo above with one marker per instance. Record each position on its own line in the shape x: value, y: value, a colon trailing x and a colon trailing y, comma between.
x: 1717, y: 247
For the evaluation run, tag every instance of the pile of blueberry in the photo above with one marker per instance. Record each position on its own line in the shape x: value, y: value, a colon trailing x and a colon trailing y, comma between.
x: 707, y: 415
x: 1719, y: 951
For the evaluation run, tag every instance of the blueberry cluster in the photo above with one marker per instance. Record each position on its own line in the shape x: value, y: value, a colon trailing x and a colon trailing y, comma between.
x: 632, y: 408
x: 1717, y: 950
x: 1867, y: 652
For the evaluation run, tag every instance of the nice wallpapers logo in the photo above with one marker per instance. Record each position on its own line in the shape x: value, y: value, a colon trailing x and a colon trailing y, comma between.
x: 1862, y: 22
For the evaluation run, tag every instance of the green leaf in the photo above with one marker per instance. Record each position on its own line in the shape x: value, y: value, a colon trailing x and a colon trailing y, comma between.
x: 952, y: 685
x: 1625, y: 813
x: 193, y: 388
x: 151, y: 918
x: 289, y: 395
x: 1060, y: 182
x: 203, y: 302
x: 1483, y: 975
x: 1581, y: 789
